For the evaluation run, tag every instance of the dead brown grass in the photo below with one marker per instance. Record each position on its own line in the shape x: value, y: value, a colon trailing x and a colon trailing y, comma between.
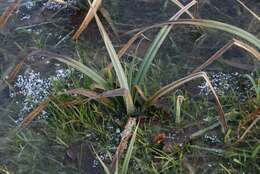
x: 36, y: 111
x: 227, y: 46
x: 8, y: 12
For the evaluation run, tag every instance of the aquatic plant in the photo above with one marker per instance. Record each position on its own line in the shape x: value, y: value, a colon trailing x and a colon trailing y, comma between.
x: 109, y: 90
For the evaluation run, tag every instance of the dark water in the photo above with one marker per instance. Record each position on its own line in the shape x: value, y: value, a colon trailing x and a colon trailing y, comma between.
x: 48, y: 25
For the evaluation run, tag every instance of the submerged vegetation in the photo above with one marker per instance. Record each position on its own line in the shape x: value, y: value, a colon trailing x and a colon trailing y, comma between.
x: 143, y: 108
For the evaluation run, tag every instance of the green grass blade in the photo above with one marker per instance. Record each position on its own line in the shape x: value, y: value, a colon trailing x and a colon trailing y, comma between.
x: 117, y: 66
x: 102, y: 163
x: 224, y: 27
x: 150, y: 54
x: 156, y: 44
x: 254, y: 41
x: 117, y: 168
x: 255, y: 151
x: 74, y: 64
x: 250, y: 38
x: 85, y: 70
x: 129, y: 152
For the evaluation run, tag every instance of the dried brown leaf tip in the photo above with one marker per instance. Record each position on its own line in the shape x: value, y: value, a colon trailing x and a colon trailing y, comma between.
x: 90, y: 15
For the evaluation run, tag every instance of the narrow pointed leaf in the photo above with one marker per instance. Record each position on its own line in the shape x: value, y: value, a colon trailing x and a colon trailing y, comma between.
x: 129, y: 152
x: 94, y: 95
x: 75, y: 64
x: 226, y: 47
x: 156, y: 44
x: 117, y: 65
x: 90, y: 15
x: 253, y: 40
x: 101, y: 162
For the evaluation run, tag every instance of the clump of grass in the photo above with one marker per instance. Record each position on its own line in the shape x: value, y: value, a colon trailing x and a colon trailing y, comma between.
x: 82, y: 112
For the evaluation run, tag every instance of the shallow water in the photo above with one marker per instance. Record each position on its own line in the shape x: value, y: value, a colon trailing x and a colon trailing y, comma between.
x: 49, y: 25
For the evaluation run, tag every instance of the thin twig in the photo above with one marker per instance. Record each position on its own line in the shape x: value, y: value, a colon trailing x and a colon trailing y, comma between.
x: 249, y: 10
